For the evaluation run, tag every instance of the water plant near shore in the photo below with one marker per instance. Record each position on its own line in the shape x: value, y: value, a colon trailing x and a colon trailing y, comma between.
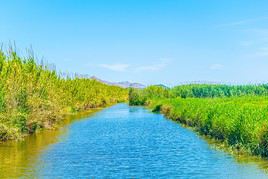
x: 32, y: 96
x: 240, y: 121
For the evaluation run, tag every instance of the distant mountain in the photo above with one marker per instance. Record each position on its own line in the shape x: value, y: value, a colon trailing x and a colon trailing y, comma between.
x: 162, y: 85
x: 126, y: 84
x: 123, y: 84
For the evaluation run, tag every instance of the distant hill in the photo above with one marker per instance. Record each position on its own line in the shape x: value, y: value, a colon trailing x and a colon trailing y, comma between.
x: 123, y: 84
x: 162, y: 85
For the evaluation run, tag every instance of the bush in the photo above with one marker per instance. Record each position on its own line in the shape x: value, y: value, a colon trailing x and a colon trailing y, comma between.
x: 19, y: 121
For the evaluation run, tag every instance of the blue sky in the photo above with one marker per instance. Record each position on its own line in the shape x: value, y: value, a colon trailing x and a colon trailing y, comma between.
x: 147, y: 41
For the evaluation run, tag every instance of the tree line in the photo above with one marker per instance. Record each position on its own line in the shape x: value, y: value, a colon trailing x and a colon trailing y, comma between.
x: 139, y: 96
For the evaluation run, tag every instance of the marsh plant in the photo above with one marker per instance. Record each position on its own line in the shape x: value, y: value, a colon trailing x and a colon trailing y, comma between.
x: 236, y: 115
x: 32, y: 96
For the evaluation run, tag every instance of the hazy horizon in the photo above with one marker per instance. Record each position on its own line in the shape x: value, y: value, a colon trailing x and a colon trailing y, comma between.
x: 150, y: 42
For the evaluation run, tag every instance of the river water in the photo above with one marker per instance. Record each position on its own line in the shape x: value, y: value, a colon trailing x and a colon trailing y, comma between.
x: 121, y: 142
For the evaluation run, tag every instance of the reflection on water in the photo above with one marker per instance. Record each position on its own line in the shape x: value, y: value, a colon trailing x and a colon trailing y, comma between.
x: 241, y: 158
x: 122, y: 142
x: 18, y: 158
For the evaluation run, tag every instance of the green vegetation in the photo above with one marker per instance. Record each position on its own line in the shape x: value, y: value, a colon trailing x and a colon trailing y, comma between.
x: 236, y: 115
x: 32, y: 96
x: 140, y: 96
x: 210, y: 90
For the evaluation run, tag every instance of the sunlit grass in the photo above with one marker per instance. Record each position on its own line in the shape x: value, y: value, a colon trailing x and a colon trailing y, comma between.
x: 241, y: 121
x: 32, y: 96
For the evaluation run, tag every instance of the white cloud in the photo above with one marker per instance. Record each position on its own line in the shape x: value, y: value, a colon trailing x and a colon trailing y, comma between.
x: 246, y: 43
x: 260, y: 33
x: 216, y: 66
x: 154, y: 67
x: 119, y: 67
x: 243, y: 22
x: 262, y: 52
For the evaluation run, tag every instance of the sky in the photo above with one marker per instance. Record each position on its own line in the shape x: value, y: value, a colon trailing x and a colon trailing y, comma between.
x: 148, y: 41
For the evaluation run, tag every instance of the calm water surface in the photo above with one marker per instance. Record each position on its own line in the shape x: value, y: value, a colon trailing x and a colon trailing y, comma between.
x: 120, y: 142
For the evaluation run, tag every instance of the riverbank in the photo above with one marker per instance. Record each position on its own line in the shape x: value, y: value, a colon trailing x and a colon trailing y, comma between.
x: 19, y: 155
x: 239, y: 123
x: 237, y: 116
x: 34, y: 96
x: 121, y: 141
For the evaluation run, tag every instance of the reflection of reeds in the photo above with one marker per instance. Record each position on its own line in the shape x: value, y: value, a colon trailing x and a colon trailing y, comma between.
x: 34, y: 96
x: 18, y: 158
